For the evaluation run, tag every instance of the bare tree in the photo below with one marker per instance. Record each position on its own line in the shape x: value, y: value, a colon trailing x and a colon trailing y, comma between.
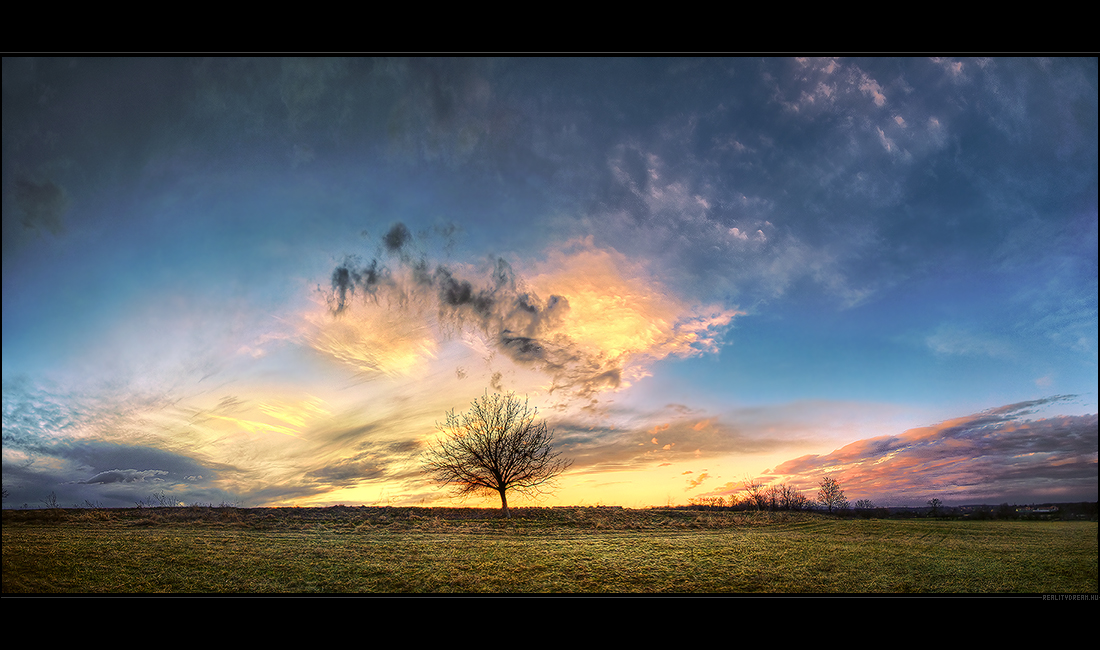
x: 755, y: 494
x: 51, y: 501
x: 709, y: 503
x: 772, y: 498
x: 831, y: 496
x: 791, y: 498
x: 496, y: 446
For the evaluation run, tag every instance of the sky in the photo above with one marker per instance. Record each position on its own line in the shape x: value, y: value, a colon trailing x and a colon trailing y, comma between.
x: 266, y: 281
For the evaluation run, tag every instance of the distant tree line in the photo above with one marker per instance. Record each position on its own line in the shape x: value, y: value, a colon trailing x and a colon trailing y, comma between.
x: 757, y: 497
x: 831, y: 499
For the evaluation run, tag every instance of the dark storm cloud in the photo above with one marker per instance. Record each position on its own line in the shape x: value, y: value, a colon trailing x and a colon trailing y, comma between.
x: 349, y: 277
x: 495, y: 308
x: 987, y: 455
x: 522, y: 348
x: 102, y: 455
x: 457, y: 297
x: 397, y: 237
x: 460, y: 294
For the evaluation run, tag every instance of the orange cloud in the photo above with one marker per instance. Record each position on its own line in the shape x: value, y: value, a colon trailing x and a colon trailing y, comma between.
x: 622, y: 317
x: 588, y: 318
x: 696, y: 482
x: 617, y: 308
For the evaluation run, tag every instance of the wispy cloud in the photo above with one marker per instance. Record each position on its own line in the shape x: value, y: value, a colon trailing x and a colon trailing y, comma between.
x: 954, y: 340
x: 635, y: 438
x: 995, y: 454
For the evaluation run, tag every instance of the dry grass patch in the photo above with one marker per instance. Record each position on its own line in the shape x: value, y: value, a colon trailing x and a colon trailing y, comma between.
x: 547, y: 550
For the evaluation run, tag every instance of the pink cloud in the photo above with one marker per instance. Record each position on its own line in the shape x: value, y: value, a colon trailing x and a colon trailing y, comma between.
x: 989, y: 455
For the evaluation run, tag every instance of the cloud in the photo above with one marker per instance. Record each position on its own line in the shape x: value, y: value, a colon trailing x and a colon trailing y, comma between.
x: 825, y: 85
x: 103, y: 446
x: 295, y: 414
x: 693, y: 483
x: 952, y: 340
x: 720, y: 236
x: 625, y: 439
x: 744, y: 236
x: 887, y: 143
x: 397, y: 237
x: 112, y: 447
x: 391, y: 339
x: 995, y: 454
x: 384, y: 460
x: 603, y: 321
x: 872, y: 88
x: 953, y: 68
x: 127, y: 476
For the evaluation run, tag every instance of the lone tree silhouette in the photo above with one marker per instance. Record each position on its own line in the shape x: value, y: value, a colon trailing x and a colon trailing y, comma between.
x: 496, y: 446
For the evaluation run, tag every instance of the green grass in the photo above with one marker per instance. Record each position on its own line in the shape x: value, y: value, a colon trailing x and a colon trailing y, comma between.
x: 580, y: 550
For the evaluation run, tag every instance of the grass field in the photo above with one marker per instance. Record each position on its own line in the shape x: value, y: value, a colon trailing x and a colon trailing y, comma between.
x: 545, y: 550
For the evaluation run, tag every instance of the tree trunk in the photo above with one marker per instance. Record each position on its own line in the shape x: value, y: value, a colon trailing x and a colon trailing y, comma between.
x: 504, y: 504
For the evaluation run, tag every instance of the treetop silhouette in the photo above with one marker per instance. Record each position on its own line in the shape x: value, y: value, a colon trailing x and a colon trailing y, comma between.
x: 498, y: 445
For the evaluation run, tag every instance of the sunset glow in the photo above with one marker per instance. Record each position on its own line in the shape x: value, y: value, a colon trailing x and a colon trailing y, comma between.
x: 266, y: 281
